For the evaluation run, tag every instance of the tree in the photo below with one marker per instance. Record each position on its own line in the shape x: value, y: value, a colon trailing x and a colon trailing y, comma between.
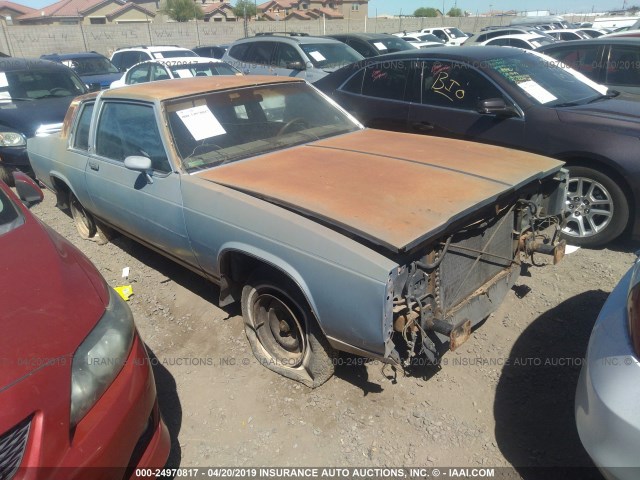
x: 455, y: 12
x: 182, y: 10
x: 425, y: 12
x: 245, y: 8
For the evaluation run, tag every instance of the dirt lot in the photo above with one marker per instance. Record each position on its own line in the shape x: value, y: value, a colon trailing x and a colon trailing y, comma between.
x: 505, y: 398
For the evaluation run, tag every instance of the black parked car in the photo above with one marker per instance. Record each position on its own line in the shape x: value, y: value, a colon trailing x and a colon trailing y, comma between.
x: 34, y: 97
x: 511, y: 97
x: 611, y: 61
x: 373, y: 44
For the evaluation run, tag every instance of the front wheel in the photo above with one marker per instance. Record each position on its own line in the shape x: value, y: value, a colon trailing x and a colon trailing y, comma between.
x: 597, y: 208
x: 282, y: 331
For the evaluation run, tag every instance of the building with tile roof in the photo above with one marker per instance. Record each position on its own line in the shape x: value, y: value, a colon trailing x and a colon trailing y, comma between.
x: 313, y: 9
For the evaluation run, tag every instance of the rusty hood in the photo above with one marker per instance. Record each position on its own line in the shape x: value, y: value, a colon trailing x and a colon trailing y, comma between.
x: 393, y: 189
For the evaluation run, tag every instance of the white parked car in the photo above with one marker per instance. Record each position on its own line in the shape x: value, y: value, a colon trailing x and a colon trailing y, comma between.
x: 450, y: 35
x: 527, y: 41
x: 179, y: 67
x: 569, y: 34
x: 422, y: 40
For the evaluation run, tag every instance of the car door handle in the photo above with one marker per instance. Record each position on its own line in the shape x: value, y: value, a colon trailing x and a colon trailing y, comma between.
x: 422, y: 126
x: 93, y: 165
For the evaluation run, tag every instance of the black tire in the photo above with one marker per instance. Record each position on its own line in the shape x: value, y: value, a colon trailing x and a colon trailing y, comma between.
x: 597, y: 208
x: 85, y: 224
x: 5, y: 176
x: 282, y: 331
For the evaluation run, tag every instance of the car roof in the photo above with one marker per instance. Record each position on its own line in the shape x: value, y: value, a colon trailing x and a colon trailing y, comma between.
x: 472, y: 53
x: 182, y: 60
x: 289, y: 39
x: 15, y: 64
x: 71, y: 56
x: 520, y: 36
x: 181, y: 87
x: 152, y: 48
x: 604, y: 40
x: 364, y: 36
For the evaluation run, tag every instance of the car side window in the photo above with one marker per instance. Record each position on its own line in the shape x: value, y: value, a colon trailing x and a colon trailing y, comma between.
x: 81, y: 137
x: 623, y: 67
x: 363, y: 48
x: 261, y: 53
x: 455, y: 85
x: 582, y: 59
x: 516, y: 42
x: 502, y: 42
x: 159, y: 72
x: 286, y: 55
x: 127, y: 129
x: 139, y: 74
x: 441, y: 35
x: 354, y: 84
x: 386, y: 80
x: 239, y: 51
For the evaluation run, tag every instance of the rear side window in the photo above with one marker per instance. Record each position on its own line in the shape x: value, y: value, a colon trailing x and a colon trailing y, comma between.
x: 261, y: 53
x: 239, y: 51
x: 582, y: 59
x: 81, y: 138
x: 386, y: 80
x: 623, y: 67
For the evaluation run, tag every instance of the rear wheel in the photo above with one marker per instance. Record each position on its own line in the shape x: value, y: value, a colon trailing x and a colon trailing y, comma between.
x: 597, y: 208
x: 282, y: 330
x: 83, y: 220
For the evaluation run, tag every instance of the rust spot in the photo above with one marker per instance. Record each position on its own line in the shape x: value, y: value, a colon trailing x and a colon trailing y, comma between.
x: 459, y: 335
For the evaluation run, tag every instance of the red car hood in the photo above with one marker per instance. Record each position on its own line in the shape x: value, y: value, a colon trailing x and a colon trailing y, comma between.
x: 52, y: 298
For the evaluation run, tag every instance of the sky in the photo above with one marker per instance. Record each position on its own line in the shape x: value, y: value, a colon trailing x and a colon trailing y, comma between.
x: 407, y: 7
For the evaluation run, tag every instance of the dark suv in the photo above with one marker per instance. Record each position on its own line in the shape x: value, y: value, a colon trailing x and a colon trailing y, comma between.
x: 34, y: 97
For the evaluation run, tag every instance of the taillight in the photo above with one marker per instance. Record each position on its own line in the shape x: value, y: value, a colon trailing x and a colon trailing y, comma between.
x: 633, y: 308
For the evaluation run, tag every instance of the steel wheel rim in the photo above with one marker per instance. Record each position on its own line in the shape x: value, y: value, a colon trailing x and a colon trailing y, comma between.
x: 81, y: 218
x: 590, y: 207
x: 279, y: 330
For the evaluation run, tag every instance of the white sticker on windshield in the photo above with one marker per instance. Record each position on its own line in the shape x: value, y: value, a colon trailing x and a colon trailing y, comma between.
x: 536, y: 91
x: 317, y: 56
x: 380, y: 45
x: 3, y: 80
x: 184, y: 73
x: 201, y: 122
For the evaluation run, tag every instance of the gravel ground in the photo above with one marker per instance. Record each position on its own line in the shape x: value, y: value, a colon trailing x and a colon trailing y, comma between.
x: 505, y: 398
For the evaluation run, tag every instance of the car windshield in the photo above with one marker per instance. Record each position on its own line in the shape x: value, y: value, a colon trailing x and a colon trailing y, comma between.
x: 34, y: 84
x: 539, y: 41
x: 174, y: 53
x: 455, y: 32
x: 429, y: 37
x: 544, y: 80
x: 220, y: 127
x: 10, y: 218
x: 390, y: 45
x: 90, y: 66
x: 330, y: 56
x: 208, y: 69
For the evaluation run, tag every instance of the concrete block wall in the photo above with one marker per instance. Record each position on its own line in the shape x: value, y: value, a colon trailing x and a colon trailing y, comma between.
x: 33, y: 41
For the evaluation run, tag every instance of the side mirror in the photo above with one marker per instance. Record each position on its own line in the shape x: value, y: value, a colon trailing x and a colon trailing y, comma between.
x: 95, y: 87
x: 28, y: 190
x: 139, y: 164
x: 296, y: 65
x: 497, y: 107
